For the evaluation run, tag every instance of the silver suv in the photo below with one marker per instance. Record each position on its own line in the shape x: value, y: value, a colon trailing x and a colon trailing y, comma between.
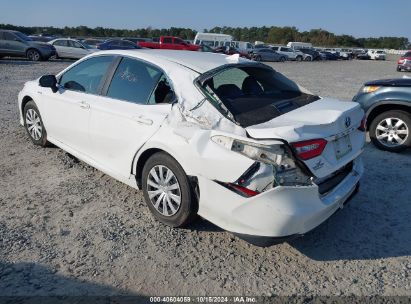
x: 294, y: 55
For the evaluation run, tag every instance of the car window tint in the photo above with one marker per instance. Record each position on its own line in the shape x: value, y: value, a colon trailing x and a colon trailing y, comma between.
x: 231, y: 76
x: 178, y: 41
x: 163, y: 92
x: 87, y: 75
x: 9, y: 36
x: 133, y: 81
x: 167, y: 40
x: 74, y: 44
x: 60, y: 43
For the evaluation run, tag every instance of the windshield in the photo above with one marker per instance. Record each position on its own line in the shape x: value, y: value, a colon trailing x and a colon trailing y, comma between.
x: 22, y: 36
x: 251, y: 95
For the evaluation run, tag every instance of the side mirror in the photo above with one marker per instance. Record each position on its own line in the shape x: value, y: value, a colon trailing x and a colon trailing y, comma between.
x: 48, y: 81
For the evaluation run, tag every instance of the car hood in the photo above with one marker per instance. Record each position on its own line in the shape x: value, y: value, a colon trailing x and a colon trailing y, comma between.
x: 320, y: 119
x: 395, y: 82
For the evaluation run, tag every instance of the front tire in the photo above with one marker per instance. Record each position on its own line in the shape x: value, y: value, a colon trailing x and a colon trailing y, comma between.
x: 258, y: 58
x: 34, y: 124
x: 299, y: 58
x: 167, y: 191
x: 390, y: 131
x: 33, y: 55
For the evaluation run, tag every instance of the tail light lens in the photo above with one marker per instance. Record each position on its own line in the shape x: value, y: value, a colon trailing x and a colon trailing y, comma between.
x: 363, y: 125
x: 310, y: 148
x: 243, y: 190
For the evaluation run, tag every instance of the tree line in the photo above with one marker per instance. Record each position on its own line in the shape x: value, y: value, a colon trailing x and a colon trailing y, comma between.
x: 273, y: 34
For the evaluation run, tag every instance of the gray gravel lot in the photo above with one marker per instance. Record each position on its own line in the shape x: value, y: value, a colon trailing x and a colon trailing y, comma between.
x: 68, y: 229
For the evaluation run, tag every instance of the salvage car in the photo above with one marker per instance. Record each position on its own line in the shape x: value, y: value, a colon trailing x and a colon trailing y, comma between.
x: 404, y: 63
x: 218, y: 136
x: 387, y: 104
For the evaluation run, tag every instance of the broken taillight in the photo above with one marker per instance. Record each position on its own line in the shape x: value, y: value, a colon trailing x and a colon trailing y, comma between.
x: 309, y: 148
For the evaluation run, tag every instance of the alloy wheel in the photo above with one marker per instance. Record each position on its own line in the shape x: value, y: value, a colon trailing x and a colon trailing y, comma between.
x: 33, y: 124
x: 164, y: 190
x: 392, y: 132
x: 33, y: 55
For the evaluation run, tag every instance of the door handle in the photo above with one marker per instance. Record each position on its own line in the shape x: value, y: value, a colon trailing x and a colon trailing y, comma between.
x: 84, y: 105
x: 143, y: 120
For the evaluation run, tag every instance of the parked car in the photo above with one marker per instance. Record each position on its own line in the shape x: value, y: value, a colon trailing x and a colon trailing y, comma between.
x: 137, y: 40
x: 329, y: 56
x: 267, y: 55
x: 229, y: 50
x: 387, y: 104
x: 404, y: 63
x: 377, y: 55
x: 117, y: 44
x: 314, y: 54
x: 71, y: 48
x: 256, y: 154
x: 16, y: 44
x: 363, y: 56
x: 93, y: 42
x: 41, y: 38
x: 289, y: 52
x: 170, y: 43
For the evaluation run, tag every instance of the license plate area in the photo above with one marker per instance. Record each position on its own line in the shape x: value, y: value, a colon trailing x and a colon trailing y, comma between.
x: 342, y: 146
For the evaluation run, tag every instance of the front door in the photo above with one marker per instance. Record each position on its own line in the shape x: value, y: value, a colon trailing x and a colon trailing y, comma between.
x: 67, y: 111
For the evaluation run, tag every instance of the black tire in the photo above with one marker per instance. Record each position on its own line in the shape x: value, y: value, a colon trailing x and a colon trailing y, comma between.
x: 299, y: 58
x: 187, y: 210
x: 39, y: 140
x: 33, y: 55
x: 257, y: 58
x: 395, y: 114
x: 283, y: 59
x: 308, y: 58
x: 399, y: 69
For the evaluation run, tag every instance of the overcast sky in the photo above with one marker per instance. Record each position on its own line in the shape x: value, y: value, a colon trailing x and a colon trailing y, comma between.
x: 360, y: 18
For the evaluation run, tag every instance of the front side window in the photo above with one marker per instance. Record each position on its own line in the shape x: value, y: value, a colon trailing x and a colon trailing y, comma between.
x: 251, y: 95
x: 167, y: 40
x: 87, y: 75
x: 133, y: 81
x: 178, y: 41
x: 74, y: 44
x: 9, y: 36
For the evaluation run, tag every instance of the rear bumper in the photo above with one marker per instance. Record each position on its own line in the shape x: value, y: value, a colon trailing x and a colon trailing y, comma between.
x: 277, y: 214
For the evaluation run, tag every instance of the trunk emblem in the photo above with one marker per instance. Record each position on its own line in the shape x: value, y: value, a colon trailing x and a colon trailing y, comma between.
x: 347, y: 122
x: 318, y: 165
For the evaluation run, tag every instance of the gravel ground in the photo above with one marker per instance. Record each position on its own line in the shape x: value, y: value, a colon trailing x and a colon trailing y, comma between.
x: 68, y: 229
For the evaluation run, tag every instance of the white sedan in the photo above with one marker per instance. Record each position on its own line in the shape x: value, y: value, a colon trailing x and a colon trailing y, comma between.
x: 71, y: 48
x: 204, y: 134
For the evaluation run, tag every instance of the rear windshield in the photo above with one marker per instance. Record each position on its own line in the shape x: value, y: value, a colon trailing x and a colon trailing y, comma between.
x: 253, y: 95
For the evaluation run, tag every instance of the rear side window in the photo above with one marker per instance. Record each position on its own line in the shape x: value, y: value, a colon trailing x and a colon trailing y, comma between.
x: 254, y: 95
x: 87, y: 75
x: 133, y: 81
x: 167, y: 40
x: 60, y: 43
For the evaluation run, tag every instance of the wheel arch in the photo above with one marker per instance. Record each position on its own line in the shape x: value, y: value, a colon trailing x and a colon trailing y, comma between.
x: 385, y: 106
x: 24, y: 101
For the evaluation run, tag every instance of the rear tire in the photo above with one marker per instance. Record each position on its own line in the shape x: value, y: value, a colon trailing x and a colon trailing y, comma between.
x: 399, y: 69
x: 308, y: 59
x: 299, y: 58
x: 167, y: 191
x: 391, y: 125
x: 34, y: 124
x: 283, y: 59
x: 33, y: 55
x: 257, y: 58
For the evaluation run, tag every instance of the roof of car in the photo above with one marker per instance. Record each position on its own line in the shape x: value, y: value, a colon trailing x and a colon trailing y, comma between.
x: 200, y: 62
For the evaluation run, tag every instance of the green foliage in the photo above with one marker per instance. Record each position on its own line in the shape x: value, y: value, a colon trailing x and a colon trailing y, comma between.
x: 273, y: 34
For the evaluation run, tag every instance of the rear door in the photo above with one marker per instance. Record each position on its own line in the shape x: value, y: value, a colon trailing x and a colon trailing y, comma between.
x: 136, y: 103
x: 13, y: 45
x: 61, y: 48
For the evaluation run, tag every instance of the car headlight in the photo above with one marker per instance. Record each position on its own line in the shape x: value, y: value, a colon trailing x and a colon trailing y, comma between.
x: 284, y: 168
x: 369, y: 89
